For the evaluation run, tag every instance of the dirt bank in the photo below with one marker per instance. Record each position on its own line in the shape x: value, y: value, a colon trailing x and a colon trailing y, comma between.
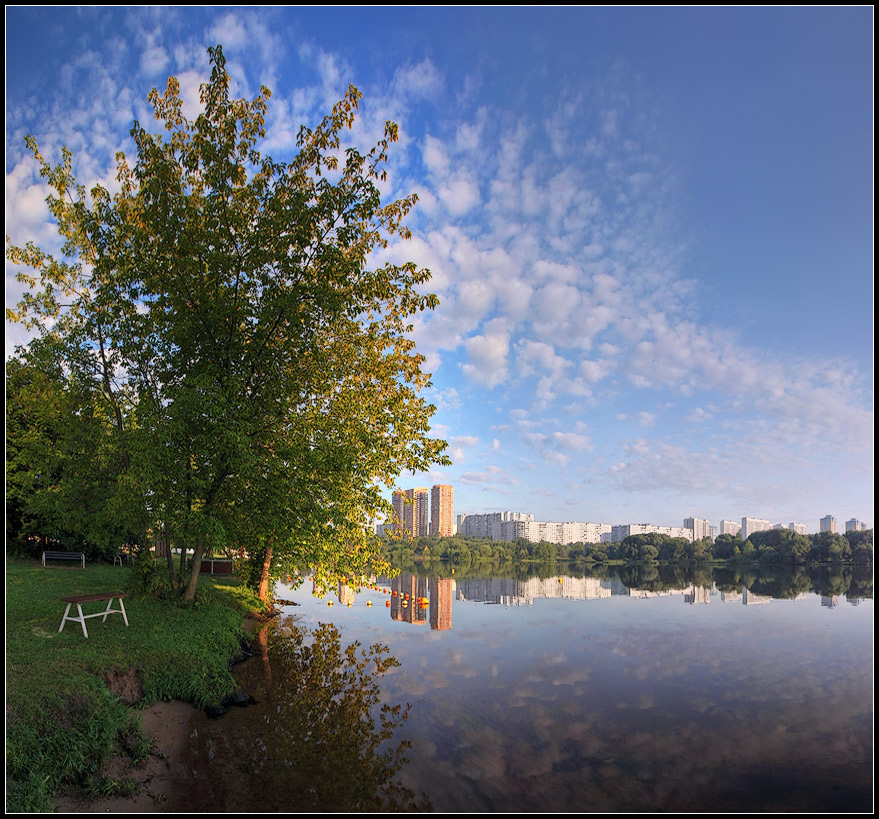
x: 167, y: 782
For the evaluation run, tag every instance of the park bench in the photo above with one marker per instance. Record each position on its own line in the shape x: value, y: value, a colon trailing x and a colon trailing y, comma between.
x: 78, y: 556
x: 92, y: 598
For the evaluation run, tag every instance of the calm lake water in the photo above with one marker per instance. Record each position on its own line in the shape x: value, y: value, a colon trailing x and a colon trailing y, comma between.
x: 585, y: 694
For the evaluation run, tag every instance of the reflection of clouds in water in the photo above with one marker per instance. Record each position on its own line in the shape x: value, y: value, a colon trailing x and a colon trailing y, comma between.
x: 499, y: 635
x: 655, y: 746
x: 572, y: 676
x: 634, y: 715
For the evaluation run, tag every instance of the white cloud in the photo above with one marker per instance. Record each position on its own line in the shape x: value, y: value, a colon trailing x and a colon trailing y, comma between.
x: 153, y: 60
x: 421, y: 81
x: 229, y: 31
x: 487, y: 359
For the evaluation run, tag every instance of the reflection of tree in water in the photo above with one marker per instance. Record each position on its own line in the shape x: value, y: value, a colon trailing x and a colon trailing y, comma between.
x: 782, y: 582
x: 318, y: 739
x: 328, y: 727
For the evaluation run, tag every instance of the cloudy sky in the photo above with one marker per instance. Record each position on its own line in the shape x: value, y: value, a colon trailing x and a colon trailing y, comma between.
x: 650, y: 229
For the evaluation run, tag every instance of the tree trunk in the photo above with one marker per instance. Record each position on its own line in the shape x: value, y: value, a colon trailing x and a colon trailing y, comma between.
x: 180, y: 573
x: 265, y: 576
x: 189, y: 596
x: 169, y: 558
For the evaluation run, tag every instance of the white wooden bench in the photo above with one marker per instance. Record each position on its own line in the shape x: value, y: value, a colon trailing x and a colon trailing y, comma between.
x: 91, y: 598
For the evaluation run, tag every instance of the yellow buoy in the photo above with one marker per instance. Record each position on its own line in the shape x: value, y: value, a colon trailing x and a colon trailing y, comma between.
x: 369, y: 603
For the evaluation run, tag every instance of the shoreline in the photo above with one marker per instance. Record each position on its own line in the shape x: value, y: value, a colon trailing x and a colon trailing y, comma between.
x: 166, y: 782
x: 169, y: 781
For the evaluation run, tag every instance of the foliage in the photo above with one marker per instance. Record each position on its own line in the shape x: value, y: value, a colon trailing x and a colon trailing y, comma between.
x: 66, y: 486
x: 861, y: 544
x: 255, y: 374
x: 331, y: 747
x: 62, y: 720
x: 726, y: 546
x: 782, y: 545
x: 771, y: 546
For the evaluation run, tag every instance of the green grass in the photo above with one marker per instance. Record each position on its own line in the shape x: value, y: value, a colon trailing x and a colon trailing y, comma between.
x: 62, y: 720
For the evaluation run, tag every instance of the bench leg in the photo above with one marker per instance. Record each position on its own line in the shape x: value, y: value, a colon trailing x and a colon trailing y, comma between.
x: 82, y: 620
x: 111, y: 610
x: 122, y: 609
x: 64, y: 618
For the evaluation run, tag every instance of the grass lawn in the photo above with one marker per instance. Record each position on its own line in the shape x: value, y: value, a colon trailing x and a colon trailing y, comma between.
x: 62, y: 720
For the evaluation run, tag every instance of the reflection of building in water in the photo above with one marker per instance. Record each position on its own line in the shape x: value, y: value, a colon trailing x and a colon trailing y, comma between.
x: 698, y: 594
x: 646, y: 594
x: 572, y: 588
x: 730, y: 597
x: 751, y: 599
x: 503, y: 590
x: 441, y: 593
x: 408, y: 611
x: 830, y: 602
x: 510, y: 592
x: 346, y: 594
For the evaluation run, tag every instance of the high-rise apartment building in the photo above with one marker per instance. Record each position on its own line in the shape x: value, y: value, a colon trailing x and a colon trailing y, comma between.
x: 410, y: 508
x: 490, y: 525
x: 415, y: 513
x: 855, y: 525
x: 799, y: 528
x: 729, y: 527
x: 620, y: 533
x: 442, y: 515
x: 701, y: 528
x: 398, y: 501
x: 751, y: 525
x: 828, y: 524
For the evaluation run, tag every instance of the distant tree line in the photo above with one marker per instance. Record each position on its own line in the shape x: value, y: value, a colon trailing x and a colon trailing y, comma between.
x: 771, y: 546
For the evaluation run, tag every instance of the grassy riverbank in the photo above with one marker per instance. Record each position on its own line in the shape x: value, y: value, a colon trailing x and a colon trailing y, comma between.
x: 63, y: 719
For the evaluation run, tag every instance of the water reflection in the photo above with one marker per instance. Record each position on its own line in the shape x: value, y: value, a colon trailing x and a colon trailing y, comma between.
x: 641, y: 689
x: 319, y: 738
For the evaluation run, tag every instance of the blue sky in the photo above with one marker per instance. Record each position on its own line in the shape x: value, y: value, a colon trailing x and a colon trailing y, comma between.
x: 650, y: 229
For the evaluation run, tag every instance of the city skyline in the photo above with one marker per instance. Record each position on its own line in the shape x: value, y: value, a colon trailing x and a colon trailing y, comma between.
x: 632, y: 217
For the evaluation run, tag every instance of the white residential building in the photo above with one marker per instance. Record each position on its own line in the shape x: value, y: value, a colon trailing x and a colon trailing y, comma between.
x: 701, y: 527
x: 751, y: 525
x: 490, y: 525
x: 799, y: 528
x: 855, y: 525
x: 620, y: 533
x: 514, y: 525
x: 729, y: 527
x: 828, y: 524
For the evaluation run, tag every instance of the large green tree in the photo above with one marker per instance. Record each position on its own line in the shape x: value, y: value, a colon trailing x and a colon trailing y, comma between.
x: 274, y: 390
